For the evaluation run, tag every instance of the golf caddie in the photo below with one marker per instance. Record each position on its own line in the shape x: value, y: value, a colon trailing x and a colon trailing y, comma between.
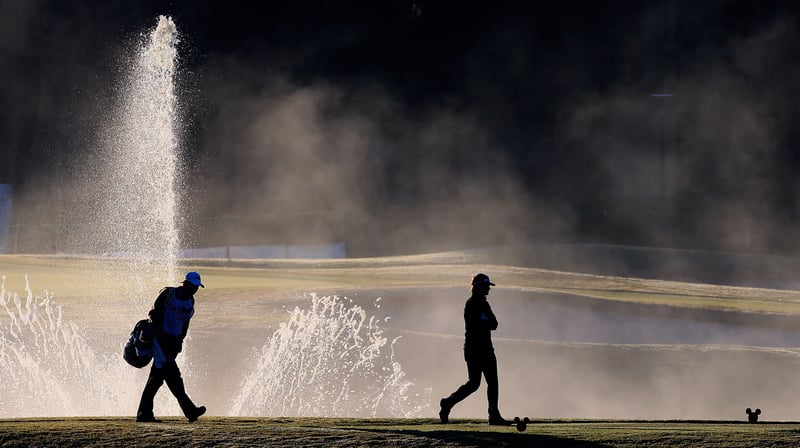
x: 171, y: 314
x: 478, y: 352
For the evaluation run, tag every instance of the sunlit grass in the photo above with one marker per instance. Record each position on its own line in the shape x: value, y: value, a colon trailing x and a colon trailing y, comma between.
x: 82, y: 277
x: 315, y: 432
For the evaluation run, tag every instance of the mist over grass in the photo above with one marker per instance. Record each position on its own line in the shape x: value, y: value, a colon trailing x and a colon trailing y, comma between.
x: 570, y: 345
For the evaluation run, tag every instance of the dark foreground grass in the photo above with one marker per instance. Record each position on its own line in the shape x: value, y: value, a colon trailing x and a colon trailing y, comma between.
x: 316, y: 432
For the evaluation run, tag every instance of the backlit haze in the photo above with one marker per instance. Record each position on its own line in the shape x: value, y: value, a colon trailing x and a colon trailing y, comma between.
x: 408, y: 128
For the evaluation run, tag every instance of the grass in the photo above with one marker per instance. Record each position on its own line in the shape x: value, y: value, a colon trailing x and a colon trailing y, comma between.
x: 328, y: 432
x: 89, y: 286
x: 76, y: 277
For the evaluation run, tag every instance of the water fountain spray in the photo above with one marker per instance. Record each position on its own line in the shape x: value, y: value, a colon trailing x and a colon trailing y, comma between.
x: 48, y: 368
x: 140, y: 165
x: 330, y: 359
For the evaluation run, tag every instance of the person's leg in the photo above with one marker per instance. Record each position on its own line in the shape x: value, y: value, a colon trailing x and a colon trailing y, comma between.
x: 492, y: 382
x: 172, y: 376
x: 493, y: 390
x: 154, y: 382
x: 474, y: 369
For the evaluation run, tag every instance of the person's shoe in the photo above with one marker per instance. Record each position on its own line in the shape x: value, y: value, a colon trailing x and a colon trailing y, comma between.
x: 196, y: 414
x: 444, y: 411
x: 147, y: 419
x: 495, y: 419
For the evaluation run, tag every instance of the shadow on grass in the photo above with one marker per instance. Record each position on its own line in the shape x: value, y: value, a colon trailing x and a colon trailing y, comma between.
x: 489, y: 438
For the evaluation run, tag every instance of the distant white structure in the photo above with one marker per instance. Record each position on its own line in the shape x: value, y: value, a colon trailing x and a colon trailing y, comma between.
x: 333, y: 250
x: 5, y: 215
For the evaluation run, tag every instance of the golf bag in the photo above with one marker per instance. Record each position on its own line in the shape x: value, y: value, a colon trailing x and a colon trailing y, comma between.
x: 139, y: 349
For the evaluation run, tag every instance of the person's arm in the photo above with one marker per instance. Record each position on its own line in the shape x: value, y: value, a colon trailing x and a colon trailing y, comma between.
x: 161, y: 300
x: 157, y: 313
x: 479, y: 316
x: 489, y: 318
x: 472, y: 317
x: 185, y: 328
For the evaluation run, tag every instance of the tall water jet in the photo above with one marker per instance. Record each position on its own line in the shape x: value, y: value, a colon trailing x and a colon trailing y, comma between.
x: 138, y: 172
x: 331, y: 359
x: 48, y: 366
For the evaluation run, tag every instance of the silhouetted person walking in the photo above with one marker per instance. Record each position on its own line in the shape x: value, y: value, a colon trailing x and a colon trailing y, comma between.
x: 478, y: 352
x: 171, y: 313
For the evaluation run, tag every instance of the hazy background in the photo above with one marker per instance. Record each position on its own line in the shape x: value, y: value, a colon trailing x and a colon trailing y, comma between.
x: 403, y: 127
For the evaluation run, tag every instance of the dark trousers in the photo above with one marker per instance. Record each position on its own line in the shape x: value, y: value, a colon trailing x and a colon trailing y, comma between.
x: 479, y: 362
x: 170, y: 374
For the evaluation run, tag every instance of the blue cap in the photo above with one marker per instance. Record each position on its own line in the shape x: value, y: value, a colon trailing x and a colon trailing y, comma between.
x: 194, y: 278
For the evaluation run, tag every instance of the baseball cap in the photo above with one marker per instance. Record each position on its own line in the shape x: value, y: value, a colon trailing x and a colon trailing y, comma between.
x: 194, y: 278
x: 481, y: 279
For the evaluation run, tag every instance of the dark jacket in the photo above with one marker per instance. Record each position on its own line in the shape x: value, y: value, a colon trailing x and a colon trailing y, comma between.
x: 479, y: 321
x: 172, y: 305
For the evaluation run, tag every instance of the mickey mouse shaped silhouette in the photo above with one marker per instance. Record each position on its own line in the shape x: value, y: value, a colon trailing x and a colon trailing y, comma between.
x: 752, y: 417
